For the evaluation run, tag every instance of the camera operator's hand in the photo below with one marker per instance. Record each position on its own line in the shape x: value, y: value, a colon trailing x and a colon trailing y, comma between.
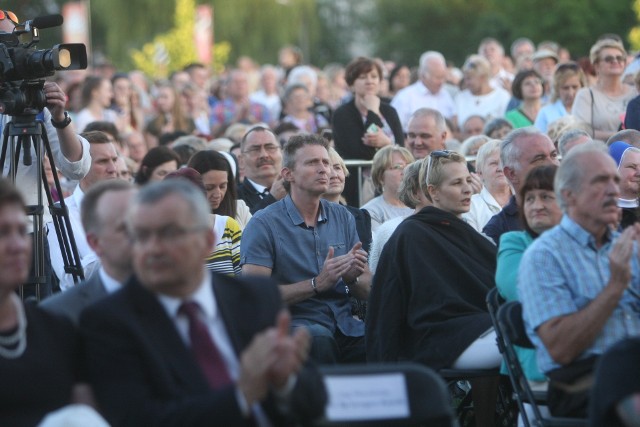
x: 56, y: 100
x: 70, y: 146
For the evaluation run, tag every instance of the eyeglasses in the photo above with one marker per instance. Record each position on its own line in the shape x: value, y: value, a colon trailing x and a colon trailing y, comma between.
x: 257, y: 149
x: 7, y: 14
x: 435, y: 155
x: 397, y: 167
x: 610, y: 59
x: 167, y: 234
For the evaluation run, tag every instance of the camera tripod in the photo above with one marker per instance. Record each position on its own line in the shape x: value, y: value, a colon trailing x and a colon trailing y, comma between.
x: 20, y: 134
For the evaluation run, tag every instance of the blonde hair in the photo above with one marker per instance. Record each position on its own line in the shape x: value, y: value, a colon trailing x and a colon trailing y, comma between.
x: 382, y: 160
x: 594, y: 53
x: 432, y: 167
x: 478, y: 65
x: 335, y: 157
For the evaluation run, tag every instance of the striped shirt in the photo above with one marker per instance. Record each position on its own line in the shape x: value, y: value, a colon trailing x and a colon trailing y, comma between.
x: 561, y: 273
x: 225, y: 259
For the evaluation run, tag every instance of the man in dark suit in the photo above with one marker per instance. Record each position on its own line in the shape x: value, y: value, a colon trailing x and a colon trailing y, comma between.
x: 262, y: 157
x: 177, y: 346
x: 102, y: 213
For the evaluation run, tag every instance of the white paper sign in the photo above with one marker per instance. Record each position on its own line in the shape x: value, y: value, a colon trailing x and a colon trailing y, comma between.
x: 374, y: 397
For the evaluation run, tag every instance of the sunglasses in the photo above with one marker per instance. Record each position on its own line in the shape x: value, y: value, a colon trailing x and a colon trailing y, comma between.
x: 610, y: 59
x: 435, y: 155
x: 7, y: 14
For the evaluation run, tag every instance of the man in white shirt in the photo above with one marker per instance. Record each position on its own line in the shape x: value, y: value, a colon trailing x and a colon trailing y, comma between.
x: 428, y: 91
x: 103, y: 167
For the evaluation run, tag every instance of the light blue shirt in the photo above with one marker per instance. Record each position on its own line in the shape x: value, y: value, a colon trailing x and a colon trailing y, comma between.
x: 549, y: 114
x: 561, y: 273
x: 278, y: 238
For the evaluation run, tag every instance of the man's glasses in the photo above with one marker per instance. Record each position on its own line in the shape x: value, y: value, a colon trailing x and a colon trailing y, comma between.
x: 435, y: 155
x: 610, y: 59
x: 257, y: 149
x: 167, y: 234
x: 7, y: 14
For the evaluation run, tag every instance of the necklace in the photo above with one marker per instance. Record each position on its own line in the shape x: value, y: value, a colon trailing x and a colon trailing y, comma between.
x: 17, y: 339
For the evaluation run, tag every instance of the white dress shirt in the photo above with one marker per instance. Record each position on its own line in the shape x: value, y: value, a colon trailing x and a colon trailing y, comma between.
x: 210, y: 315
x: 483, y: 207
x: 416, y: 96
x: 88, y: 258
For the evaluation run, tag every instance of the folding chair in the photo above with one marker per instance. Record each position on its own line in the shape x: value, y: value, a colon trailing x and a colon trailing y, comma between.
x: 513, y: 333
x: 403, y: 394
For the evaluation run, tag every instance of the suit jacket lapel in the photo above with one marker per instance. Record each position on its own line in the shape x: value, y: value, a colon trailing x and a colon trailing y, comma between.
x: 164, y: 338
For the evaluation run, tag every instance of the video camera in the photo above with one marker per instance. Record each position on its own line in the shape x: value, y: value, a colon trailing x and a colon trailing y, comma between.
x: 23, y: 67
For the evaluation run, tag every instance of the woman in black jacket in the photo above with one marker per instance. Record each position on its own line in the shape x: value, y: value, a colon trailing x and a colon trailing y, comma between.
x: 427, y: 301
x: 364, y: 124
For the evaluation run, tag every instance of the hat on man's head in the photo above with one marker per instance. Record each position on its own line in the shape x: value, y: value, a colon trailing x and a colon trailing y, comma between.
x: 544, y: 54
x: 617, y: 151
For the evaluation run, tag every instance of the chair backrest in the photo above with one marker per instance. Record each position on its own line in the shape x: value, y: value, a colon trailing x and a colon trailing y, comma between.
x: 494, y: 301
x: 403, y: 394
x: 510, y: 316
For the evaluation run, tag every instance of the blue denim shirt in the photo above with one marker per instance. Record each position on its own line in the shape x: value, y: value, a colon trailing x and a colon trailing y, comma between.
x: 561, y: 273
x: 278, y: 238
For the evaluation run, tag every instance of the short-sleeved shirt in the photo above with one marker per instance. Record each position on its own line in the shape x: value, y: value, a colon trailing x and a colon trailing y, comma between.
x: 278, y: 238
x: 561, y: 273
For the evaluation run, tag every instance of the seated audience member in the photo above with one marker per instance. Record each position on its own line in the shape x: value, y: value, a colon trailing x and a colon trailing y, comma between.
x: 427, y: 132
x: 96, y: 100
x: 180, y: 346
x: 307, y: 76
x: 297, y: 110
x: 219, y: 182
x: 386, y: 174
x: 474, y: 125
x: 478, y: 97
x: 110, y: 129
x: 497, y: 128
x: 470, y: 147
x: 136, y: 144
x: 103, y: 219
x: 568, y: 79
x: 337, y: 177
x: 520, y: 151
x: 627, y: 159
x: 630, y: 136
x: 225, y: 252
x: 169, y: 118
x: 156, y: 164
x: 103, y: 167
x: 528, y: 88
x: 496, y: 191
x: 427, y: 302
x: 237, y: 107
x: 411, y: 193
x: 616, y: 390
x: 578, y: 282
x: 539, y: 213
x: 310, y: 247
x: 261, y: 156
x: 570, y: 139
x: 39, y: 360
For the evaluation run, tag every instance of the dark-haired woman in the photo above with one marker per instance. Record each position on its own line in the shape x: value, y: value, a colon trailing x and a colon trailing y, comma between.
x: 365, y: 124
x: 156, y: 164
x: 527, y: 87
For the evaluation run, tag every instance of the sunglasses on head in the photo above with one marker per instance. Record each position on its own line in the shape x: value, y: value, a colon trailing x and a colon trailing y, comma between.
x: 568, y: 66
x: 435, y: 155
x: 7, y: 14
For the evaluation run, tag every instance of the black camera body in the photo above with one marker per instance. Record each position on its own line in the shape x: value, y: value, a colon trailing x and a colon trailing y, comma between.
x: 23, y: 68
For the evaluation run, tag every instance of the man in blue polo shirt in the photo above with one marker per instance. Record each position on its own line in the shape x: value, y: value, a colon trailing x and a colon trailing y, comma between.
x: 579, y: 282
x: 311, y: 248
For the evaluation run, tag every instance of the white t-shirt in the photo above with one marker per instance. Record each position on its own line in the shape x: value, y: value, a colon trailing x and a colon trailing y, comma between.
x: 490, y: 106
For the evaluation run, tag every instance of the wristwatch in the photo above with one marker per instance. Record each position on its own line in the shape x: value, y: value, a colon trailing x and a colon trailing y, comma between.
x: 63, y: 124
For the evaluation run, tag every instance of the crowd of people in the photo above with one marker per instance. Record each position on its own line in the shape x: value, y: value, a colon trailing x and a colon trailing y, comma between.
x: 237, y: 230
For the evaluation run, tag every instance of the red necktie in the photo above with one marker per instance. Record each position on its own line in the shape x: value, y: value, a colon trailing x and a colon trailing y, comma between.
x: 203, y: 347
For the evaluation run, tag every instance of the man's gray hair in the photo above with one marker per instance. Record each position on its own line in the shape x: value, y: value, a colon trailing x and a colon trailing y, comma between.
x: 437, y: 116
x: 510, y: 150
x: 571, y: 170
x: 569, y: 137
x: 157, y: 191
x: 429, y: 56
